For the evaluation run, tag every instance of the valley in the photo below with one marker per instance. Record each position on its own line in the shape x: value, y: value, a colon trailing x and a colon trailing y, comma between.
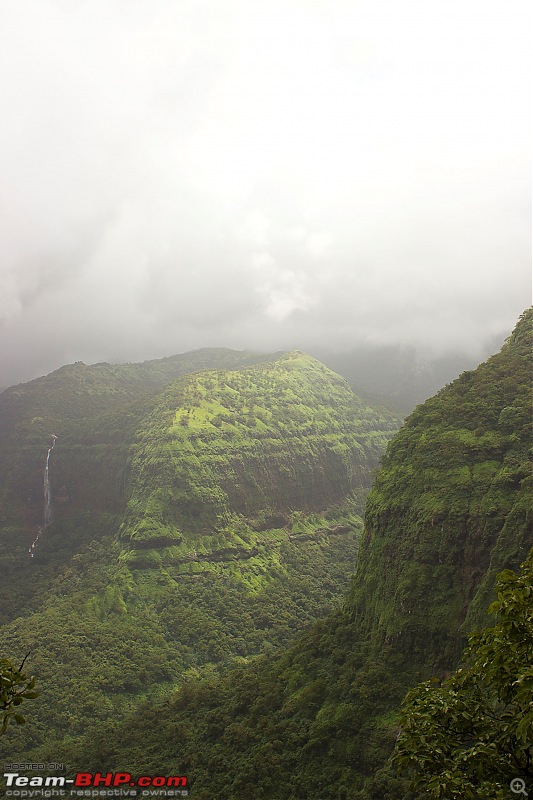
x: 194, y: 527
x: 209, y: 600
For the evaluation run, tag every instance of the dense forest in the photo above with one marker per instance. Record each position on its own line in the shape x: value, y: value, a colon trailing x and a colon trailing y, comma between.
x: 195, y: 524
x: 227, y: 519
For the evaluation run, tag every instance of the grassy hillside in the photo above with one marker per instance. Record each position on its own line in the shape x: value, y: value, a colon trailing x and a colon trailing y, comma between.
x: 94, y: 411
x: 193, y: 530
x: 450, y: 507
x: 255, y: 443
x: 71, y: 403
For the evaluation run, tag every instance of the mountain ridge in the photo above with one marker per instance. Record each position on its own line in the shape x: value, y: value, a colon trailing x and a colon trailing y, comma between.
x: 192, y: 528
x: 321, y: 717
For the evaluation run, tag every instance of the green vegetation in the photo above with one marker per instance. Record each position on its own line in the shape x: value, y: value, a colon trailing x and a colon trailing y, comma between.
x: 218, y: 449
x: 469, y: 736
x: 449, y: 510
x: 237, y: 489
x: 94, y: 411
x: 312, y: 721
x: 195, y: 528
x: 15, y: 687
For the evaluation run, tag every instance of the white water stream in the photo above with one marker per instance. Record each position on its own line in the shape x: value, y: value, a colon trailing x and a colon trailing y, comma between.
x: 47, y: 498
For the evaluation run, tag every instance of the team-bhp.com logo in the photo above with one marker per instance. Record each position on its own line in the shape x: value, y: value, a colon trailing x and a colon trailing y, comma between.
x: 96, y: 780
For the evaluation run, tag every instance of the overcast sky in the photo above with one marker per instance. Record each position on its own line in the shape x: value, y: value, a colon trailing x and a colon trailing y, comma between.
x: 185, y: 173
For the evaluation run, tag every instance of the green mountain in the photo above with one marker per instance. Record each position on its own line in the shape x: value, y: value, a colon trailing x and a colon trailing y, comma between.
x: 92, y: 410
x: 451, y: 506
x: 195, y: 525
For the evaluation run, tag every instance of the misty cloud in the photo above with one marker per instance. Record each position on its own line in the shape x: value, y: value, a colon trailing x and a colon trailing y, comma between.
x: 259, y: 175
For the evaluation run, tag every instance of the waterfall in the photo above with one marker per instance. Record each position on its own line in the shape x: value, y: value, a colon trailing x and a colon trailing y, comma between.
x: 47, y: 498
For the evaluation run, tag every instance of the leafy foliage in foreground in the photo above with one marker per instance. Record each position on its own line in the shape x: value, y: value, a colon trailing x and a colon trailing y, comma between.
x: 470, y: 736
x: 15, y: 687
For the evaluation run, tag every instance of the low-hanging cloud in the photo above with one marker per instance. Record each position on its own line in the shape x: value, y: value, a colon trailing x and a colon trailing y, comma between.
x: 259, y: 175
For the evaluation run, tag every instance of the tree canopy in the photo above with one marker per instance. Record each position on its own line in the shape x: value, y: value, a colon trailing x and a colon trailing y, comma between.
x: 469, y: 736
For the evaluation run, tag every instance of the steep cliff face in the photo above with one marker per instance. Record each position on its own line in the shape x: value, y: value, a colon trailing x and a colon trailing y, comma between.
x: 196, y: 527
x: 222, y: 457
x: 74, y: 403
x: 94, y: 411
x: 450, y: 508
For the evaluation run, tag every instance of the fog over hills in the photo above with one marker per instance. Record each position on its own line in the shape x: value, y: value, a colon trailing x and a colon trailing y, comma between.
x: 266, y: 176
